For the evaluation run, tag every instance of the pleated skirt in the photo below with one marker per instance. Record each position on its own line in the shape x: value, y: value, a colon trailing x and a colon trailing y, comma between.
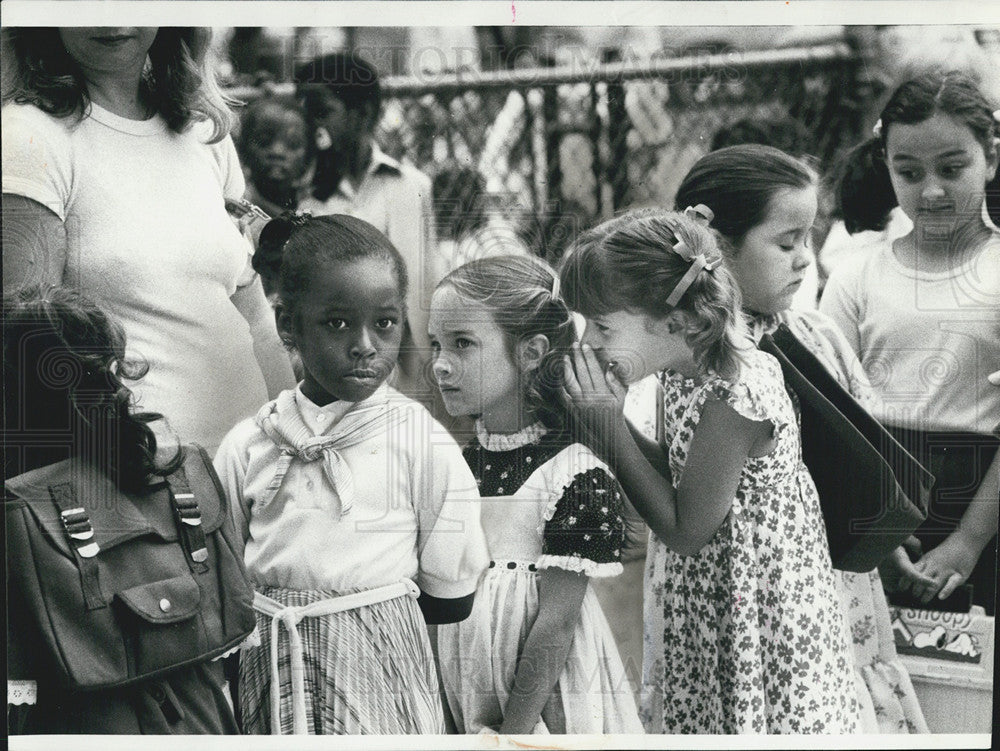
x: 368, y: 671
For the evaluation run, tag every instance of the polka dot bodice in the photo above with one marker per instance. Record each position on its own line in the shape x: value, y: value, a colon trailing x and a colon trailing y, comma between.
x: 503, y: 472
x: 547, y: 502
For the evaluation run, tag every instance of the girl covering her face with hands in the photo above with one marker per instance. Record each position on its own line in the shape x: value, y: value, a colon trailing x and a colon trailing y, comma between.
x: 744, y: 631
x: 771, y: 201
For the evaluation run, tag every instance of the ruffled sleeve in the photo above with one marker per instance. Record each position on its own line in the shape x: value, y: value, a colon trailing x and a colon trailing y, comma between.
x: 757, y: 396
x: 585, y: 527
x: 21, y: 692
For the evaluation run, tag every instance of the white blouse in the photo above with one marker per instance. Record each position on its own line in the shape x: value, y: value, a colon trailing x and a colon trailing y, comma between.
x: 415, y: 512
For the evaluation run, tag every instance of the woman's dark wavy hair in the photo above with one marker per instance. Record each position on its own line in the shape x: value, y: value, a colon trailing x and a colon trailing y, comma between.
x: 517, y: 290
x: 64, y: 372
x: 179, y: 80
x: 628, y: 263
x: 864, y: 191
x: 738, y: 183
x: 294, y: 247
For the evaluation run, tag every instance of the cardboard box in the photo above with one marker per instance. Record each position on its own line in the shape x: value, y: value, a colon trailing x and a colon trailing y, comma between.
x: 950, y: 660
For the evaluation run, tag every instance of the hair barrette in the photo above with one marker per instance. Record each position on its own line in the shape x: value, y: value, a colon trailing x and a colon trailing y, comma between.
x: 555, y: 287
x: 877, y: 129
x: 996, y: 115
x: 700, y: 213
x: 699, y: 261
x: 297, y: 218
x: 278, y: 231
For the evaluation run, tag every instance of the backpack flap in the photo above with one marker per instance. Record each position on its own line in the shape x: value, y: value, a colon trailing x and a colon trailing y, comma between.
x: 167, y: 601
x: 158, y: 609
x: 115, y: 516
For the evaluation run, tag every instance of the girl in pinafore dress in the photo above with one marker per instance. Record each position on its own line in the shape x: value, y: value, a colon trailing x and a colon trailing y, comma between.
x: 359, y: 516
x: 537, y: 654
x: 744, y: 630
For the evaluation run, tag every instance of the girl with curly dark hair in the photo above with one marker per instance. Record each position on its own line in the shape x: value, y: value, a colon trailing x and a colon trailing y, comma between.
x: 71, y: 429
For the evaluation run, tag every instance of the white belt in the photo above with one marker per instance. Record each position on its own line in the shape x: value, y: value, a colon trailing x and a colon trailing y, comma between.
x: 290, y: 615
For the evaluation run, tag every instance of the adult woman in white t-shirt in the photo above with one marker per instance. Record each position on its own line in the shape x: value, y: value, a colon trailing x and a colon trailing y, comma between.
x: 117, y: 164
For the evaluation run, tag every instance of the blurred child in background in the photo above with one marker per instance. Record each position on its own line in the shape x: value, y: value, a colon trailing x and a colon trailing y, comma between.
x: 466, y: 229
x: 276, y: 152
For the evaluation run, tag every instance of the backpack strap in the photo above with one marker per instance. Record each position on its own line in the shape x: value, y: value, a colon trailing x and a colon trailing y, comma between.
x: 80, y: 531
x: 188, y: 516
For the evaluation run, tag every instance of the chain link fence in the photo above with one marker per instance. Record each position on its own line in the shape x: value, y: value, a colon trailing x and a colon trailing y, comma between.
x: 558, y: 149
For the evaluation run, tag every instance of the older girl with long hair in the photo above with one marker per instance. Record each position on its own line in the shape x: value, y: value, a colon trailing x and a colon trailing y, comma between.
x: 921, y: 313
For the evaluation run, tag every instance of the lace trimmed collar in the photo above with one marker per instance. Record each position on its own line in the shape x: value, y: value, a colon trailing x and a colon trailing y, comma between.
x: 509, y: 441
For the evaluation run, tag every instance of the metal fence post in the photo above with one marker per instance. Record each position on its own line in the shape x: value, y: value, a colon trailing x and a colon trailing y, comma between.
x: 597, y: 149
x: 553, y: 140
x: 618, y: 127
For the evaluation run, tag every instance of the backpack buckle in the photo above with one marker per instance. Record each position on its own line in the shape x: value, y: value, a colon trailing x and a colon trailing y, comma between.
x: 187, y: 509
x: 79, y: 529
x: 189, y: 516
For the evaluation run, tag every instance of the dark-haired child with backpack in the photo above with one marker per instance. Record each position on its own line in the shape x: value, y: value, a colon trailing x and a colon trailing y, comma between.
x: 123, y: 589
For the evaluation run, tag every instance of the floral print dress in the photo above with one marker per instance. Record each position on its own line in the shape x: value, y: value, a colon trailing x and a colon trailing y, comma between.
x: 886, y: 694
x: 547, y: 502
x: 747, y: 635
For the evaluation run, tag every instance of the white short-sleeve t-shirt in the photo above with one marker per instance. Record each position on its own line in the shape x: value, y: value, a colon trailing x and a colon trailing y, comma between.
x: 927, y: 339
x: 149, y: 239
